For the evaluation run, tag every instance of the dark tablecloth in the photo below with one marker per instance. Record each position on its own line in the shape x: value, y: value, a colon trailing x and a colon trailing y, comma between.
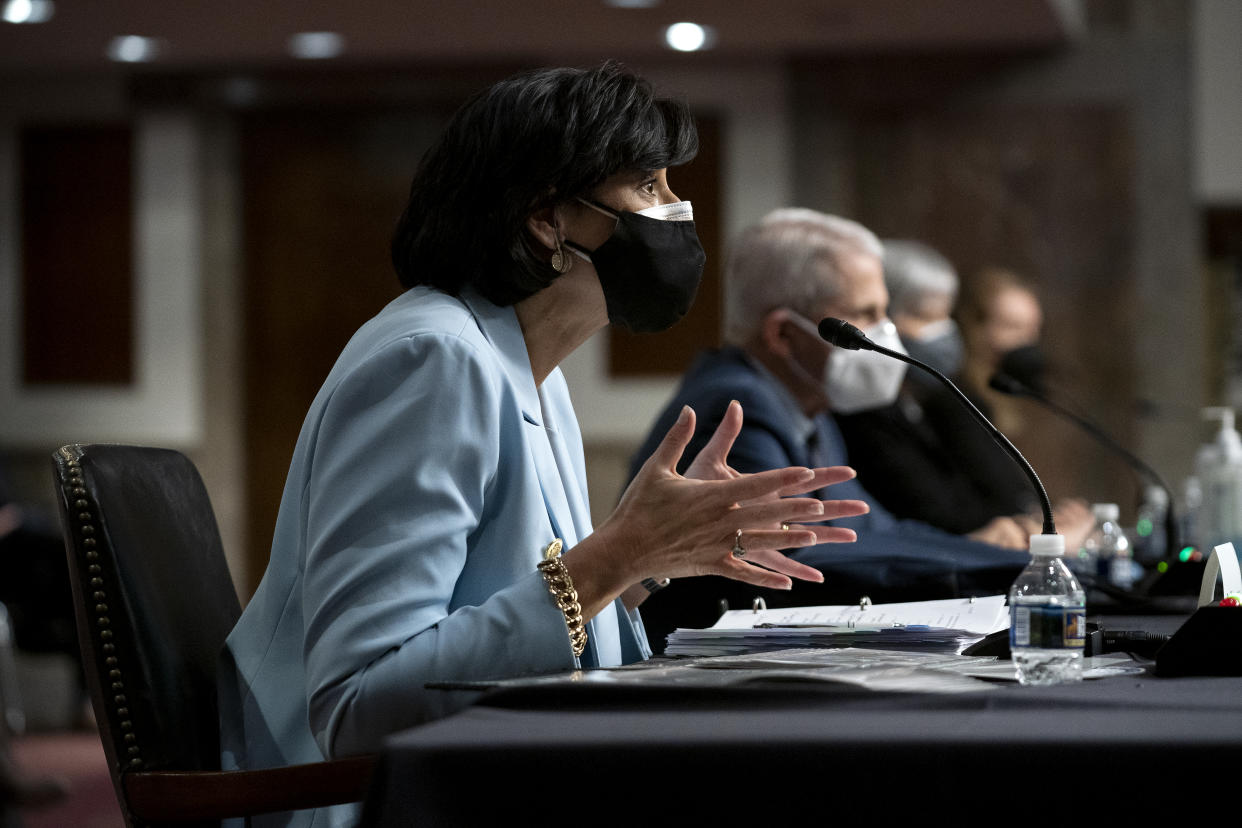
x: 1124, y: 747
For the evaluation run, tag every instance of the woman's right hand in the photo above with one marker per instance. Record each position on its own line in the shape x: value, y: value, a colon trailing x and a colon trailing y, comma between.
x: 669, y: 525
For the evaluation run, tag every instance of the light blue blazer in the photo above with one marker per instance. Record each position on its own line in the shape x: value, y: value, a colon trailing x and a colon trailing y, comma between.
x: 429, y: 475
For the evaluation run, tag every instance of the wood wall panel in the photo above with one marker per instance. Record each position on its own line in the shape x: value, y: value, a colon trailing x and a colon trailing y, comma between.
x: 1046, y: 191
x: 322, y: 193
x: 77, y: 255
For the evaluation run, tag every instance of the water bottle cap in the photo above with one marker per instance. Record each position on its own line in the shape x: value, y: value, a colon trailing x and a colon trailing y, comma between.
x: 1048, y: 545
x: 1228, y: 441
x: 1106, y: 511
x: 1156, y: 496
x: 1222, y: 413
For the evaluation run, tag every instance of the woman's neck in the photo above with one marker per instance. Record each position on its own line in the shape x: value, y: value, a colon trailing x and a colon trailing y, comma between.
x: 557, y: 320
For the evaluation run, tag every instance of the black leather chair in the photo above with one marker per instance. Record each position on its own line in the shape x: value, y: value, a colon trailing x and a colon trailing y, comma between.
x: 154, y: 604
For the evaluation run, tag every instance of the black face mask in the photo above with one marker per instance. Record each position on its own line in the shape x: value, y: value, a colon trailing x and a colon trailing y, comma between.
x: 1027, y: 365
x: 943, y: 351
x: 649, y: 270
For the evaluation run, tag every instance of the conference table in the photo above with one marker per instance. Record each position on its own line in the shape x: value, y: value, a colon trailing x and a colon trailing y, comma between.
x: 1133, y: 746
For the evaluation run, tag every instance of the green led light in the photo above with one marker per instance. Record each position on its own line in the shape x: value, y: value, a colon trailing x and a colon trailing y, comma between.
x: 1162, y: 567
x: 1143, y: 527
x: 1185, y: 554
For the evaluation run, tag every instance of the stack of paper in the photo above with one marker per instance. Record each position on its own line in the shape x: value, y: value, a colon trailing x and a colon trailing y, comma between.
x: 937, y: 626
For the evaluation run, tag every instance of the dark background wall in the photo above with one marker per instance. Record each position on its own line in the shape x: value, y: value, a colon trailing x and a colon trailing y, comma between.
x: 1072, y: 169
x: 1072, y: 165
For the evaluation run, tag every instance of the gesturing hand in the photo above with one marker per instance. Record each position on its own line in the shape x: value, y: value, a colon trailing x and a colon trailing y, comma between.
x: 676, y: 525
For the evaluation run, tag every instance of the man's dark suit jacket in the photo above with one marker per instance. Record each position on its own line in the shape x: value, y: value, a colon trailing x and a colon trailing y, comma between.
x: 925, y: 457
x: 892, y: 560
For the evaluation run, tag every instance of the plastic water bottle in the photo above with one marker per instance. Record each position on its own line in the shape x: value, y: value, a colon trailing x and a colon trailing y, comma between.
x: 1047, y: 617
x: 1191, y: 513
x: 1114, y: 561
x: 1085, y: 560
x: 1151, y: 540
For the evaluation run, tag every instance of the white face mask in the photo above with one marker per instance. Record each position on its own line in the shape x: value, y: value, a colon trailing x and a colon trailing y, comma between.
x: 676, y: 211
x: 858, y: 380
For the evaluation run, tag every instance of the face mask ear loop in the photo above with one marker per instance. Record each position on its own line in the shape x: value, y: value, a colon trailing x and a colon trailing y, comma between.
x: 807, y: 326
x: 801, y: 322
x: 577, y: 249
x: 599, y: 208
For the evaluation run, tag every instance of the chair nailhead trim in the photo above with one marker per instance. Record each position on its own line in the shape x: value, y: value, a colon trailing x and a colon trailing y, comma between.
x: 86, y: 532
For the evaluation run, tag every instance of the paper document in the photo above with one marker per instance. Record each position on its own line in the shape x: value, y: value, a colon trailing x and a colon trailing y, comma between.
x: 971, y: 615
x: 947, y: 625
x: 883, y: 670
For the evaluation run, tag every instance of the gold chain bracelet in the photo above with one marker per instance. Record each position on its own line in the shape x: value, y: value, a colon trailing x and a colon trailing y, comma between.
x: 562, y: 588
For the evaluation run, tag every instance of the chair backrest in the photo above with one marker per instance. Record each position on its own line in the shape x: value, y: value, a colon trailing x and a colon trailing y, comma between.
x: 154, y: 602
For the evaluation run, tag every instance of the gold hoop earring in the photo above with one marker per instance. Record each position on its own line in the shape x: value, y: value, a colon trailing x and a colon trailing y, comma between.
x: 562, y: 260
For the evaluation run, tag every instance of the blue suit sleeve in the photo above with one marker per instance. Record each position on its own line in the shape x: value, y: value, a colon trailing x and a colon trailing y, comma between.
x: 404, y: 459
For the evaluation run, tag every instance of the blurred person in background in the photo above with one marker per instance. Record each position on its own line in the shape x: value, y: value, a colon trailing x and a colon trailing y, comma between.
x: 19, y: 789
x: 924, y: 457
x: 34, y: 582
x: 1001, y: 321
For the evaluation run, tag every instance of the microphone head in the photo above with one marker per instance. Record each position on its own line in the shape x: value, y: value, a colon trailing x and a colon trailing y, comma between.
x: 842, y: 334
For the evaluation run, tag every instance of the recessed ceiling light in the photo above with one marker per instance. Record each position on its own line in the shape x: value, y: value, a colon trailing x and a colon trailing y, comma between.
x: 28, y: 11
x: 133, y: 48
x: 632, y: 4
x: 689, y: 37
x: 316, y: 45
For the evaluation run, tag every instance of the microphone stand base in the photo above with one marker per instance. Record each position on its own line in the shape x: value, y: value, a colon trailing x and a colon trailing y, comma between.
x: 1208, y: 644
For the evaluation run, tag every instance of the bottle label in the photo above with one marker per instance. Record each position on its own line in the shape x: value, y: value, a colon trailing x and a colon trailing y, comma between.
x: 1047, y: 627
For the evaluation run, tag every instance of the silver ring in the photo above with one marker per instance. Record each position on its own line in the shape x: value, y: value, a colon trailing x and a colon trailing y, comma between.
x: 738, y: 550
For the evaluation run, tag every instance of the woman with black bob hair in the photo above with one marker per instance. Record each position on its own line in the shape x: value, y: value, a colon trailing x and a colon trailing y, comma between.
x: 434, y: 525
x: 525, y: 144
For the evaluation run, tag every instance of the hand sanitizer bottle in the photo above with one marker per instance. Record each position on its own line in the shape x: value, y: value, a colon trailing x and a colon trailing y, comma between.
x: 1218, y: 467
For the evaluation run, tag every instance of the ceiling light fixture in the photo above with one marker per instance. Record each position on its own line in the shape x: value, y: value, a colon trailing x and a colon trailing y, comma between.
x: 133, y: 49
x: 689, y: 37
x: 632, y: 4
x: 28, y: 11
x: 316, y: 45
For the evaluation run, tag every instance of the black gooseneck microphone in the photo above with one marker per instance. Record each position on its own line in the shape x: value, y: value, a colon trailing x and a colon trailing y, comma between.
x: 842, y: 334
x: 1007, y: 384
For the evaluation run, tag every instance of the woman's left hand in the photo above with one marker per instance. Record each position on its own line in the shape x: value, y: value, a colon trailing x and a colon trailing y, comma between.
x: 719, y: 523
